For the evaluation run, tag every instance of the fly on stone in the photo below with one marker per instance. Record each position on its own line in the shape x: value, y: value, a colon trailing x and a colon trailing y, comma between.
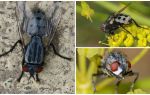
x: 37, y: 26
x: 115, y: 64
x: 118, y: 20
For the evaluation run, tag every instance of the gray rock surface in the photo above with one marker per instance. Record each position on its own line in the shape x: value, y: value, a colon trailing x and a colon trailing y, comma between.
x: 58, y: 75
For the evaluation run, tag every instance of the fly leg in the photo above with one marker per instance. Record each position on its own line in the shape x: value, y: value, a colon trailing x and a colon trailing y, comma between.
x: 127, y: 31
x: 98, y: 74
x: 58, y: 53
x: 22, y: 73
x: 136, y: 74
x: 117, y: 86
x: 135, y: 79
x: 37, y: 78
x: 103, y: 42
x: 138, y: 24
x: 93, y: 82
x: 12, y: 48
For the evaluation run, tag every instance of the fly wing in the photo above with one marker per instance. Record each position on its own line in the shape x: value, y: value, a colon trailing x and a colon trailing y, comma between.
x: 20, y: 6
x: 53, y: 24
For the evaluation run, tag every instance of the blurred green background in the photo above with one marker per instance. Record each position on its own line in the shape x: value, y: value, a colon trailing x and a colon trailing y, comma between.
x: 88, y: 33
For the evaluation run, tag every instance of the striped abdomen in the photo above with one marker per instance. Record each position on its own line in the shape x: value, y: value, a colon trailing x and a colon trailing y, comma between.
x: 34, y: 51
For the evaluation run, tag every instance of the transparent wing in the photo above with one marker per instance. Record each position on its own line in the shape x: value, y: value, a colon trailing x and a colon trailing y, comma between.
x: 20, y: 6
x: 53, y: 24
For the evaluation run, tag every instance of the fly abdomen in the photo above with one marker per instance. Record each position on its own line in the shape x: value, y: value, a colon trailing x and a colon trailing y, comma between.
x: 34, y: 51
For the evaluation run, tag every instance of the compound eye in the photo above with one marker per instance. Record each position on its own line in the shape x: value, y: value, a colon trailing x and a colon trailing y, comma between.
x: 25, y: 68
x: 114, y: 66
x: 129, y: 64
x: 39, y: 69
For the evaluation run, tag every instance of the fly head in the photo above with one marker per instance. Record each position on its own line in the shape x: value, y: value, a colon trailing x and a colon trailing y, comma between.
x: 115, y: 64
x: 32, y: 69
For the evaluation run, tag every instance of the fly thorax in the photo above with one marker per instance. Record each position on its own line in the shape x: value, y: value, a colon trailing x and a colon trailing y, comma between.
x: 37, y: 24
x: 123, y: 19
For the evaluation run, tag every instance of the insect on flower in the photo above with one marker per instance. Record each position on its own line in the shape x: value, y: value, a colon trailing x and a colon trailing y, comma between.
x: 37, y: 26
x: 117, y: 20
x: 115, y: 64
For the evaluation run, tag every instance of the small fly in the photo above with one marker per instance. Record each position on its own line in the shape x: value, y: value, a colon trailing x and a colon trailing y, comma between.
x: 37, y: 26
x: 115, y: 64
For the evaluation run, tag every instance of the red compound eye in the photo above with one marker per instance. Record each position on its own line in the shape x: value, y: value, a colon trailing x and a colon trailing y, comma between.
x: 25, y: 68
x: 129, y: 64
x: 39, y: 69
x: 114, y: 66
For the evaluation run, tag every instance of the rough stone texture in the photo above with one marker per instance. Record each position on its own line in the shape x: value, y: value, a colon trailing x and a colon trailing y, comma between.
x: 58, y: 74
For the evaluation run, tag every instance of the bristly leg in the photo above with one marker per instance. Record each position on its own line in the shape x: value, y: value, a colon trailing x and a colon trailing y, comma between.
x: 136, y: 74
x: 93, y: 82
x: 59, y: 54
x: 136, y: 77
x: 37, y: 78
x: 117, y: 86
x: 128, y: 32
x: 98, y: 74
x: 12, y: 48
x: 22, y: 73
x: 138, y: 24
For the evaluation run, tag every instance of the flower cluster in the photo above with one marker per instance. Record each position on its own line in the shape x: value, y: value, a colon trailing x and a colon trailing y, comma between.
x: 134, y: 37
x: 86, y: 11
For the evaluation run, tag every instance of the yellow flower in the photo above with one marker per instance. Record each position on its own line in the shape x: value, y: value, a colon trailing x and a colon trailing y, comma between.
x: 86, y: 11
x: 141, y: 33
x: 142, y: 42
x: 116, y: 39
x: 148, y: 38
x: 132, y: 29
x: 129, y: 41
x: 135, y: 36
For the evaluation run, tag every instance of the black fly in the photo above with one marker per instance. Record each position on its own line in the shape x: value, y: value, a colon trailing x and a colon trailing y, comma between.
x: 37, y: 27
x: 117, y: 20
x: 115, y: 64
